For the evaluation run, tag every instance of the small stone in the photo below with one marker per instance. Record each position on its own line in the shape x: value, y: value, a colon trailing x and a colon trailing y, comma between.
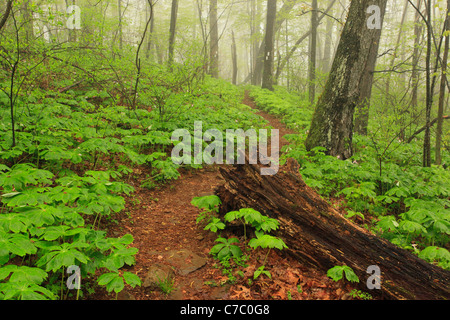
x: 123, y: 295
x: 200, y: 237
x: 156, y: 274
x: 176, y: 294
x: 185, y: 261
x: 221, y: 292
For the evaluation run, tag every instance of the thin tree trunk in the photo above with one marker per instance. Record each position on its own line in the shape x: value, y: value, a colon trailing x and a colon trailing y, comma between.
x: 429, y: 97
x: 313, y: 53
x: 297, y: 44
x: 72, y: 36
x: 326, y: 61
x: 151, y: 34
x: 440, y: 115
x: 397, y: 44
x: 415, y: 57
x: 173, y: 25
x: 28, y: 20
x: 269, y: 44
x: 120, y: 25
x: 280, y: 18
x: 214, y: 40
x: 6, y: 14
x: 288, y: 79
x: 234, y: 57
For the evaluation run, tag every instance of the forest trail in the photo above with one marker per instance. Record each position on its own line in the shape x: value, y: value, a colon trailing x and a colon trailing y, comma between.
x: 163, y: 224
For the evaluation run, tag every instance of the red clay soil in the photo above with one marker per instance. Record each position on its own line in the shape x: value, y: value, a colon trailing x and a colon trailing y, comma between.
x: 162, y: 220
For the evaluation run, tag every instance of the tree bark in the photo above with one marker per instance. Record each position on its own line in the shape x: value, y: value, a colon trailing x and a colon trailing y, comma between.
x: 148, y: 52
x: 234, y: 57
x: 326, y: 61
x: 312, y: 52
x: 6, y: 14
x: 214, y: 40
x: 119, y: 4
x: 259, y: 62
x: 425, y: 126
x: 173, y: 26
x: 440, y: 115
x: 415, y: 57
x: 332, y: 123
x: 429, y: 94
x: 319, y: 236
x: 363, y: 104
x: 269, y: 43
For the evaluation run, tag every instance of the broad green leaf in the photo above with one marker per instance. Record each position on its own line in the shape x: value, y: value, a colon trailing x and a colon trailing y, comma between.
x: 207, y: 202
x: 131, y: 279
x: 337, y: 273
x: 107, y: 278
x: 116, y: 284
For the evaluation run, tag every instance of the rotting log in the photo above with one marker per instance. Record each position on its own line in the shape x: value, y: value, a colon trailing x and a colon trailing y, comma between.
x: 319, y: 236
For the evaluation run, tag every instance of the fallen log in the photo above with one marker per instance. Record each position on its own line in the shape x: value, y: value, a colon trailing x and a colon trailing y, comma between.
x: 319, y: 236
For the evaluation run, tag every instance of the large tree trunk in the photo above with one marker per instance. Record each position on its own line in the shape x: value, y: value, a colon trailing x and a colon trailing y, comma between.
x: 363, y: 104
x: 332, y: 123
x: 319, y: 236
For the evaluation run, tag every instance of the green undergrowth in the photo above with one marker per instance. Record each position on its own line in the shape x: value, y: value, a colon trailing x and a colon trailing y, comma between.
x: 383, y: 185
x: 228, y: 250
x: 68, y: 174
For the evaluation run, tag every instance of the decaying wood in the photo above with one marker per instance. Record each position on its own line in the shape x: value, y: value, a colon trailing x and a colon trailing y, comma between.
x: 319, y: 236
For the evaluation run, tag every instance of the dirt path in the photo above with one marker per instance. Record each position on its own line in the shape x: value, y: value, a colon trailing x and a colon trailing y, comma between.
x: 163, y: 224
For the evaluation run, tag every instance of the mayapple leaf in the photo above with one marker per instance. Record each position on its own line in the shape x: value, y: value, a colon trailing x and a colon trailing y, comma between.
x: 116, y: 284
x: 14, y: 222
x: 268, y: 224
x: 18, y: 244
x: 131, y: 279
x: 267, y: 241
x: 224, y: 253
x: 61, y: 256
x: 235, y: 251
x: 388, y: 223
x: 433, y: 253
x: 337, y: 273
x: 411, y: 227
x: 260, y: 271
x: 54, y: 232
x: 107, y: 278
x: 232, y: 215
x: 23, y: 274
x: 215, y: 225
x: 206, y: 202
x: 11, y: 194
x: 350, y: 274
x: 25, y: 291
